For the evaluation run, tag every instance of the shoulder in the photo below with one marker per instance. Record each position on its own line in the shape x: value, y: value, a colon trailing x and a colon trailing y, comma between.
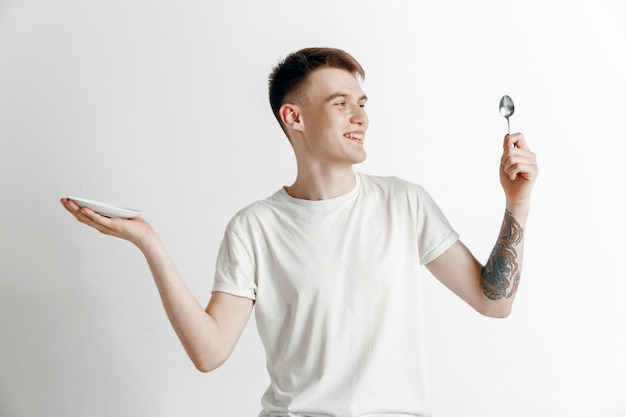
x: 255, y: 212
x: 390, y: 185
x: 397, y: 192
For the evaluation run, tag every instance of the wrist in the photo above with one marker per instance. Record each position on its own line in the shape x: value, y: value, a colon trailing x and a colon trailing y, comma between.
x: 147, y: 241
x: 518, y: 210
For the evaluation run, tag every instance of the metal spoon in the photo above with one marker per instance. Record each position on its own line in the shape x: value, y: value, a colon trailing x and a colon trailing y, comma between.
x: 506, y: 109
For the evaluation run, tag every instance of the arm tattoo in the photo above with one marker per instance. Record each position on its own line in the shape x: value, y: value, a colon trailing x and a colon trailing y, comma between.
x: 501, y: 275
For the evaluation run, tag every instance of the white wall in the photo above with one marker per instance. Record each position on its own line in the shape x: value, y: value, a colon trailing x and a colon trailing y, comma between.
x: 161, y: 105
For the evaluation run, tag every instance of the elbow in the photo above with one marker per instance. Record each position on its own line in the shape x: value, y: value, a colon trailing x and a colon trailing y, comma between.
x: 206, y: 363
x: 205, y: 369
x: 206, y: 366
x: 495, y: 305
x: 502, y: 314
x: 495, y: 311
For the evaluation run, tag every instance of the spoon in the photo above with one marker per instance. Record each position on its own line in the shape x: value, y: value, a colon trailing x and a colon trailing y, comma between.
x: 506, y: 109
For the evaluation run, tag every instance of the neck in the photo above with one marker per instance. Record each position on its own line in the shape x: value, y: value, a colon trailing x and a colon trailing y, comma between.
x: 322, y: 183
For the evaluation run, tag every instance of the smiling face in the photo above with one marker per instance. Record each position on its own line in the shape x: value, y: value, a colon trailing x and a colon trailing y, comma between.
x: 328, y: 120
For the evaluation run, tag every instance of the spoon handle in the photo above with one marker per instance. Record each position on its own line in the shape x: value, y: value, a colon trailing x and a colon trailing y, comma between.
x: 508, y: 125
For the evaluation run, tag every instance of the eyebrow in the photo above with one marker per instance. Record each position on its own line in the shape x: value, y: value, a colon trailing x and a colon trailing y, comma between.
x: 344, y: 95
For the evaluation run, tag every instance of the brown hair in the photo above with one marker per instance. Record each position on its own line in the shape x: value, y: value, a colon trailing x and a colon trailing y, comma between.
x: 292, y: 73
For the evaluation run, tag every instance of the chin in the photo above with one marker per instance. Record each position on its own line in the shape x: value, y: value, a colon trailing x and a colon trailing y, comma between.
x: 361, y: 158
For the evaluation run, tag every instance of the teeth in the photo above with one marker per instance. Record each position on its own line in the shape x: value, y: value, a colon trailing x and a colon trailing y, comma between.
x: 358, y: 136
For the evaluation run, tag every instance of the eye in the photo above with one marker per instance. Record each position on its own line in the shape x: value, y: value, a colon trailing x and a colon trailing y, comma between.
x: 341, y: 103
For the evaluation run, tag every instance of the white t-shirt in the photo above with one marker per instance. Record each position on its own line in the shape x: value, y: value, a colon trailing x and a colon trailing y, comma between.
x: 338, y: 296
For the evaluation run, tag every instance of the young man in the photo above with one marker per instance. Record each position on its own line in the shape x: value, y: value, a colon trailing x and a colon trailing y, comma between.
x: 332, y: 263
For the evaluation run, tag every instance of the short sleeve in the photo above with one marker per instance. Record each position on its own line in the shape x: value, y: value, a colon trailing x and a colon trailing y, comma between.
x: 234, y: 269
x: 435, y: 233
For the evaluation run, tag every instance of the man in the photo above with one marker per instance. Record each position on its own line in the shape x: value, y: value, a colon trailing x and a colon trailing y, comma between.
x: 332, y: 262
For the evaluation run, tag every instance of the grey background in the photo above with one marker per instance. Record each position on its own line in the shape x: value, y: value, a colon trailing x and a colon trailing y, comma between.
x: 161, y: 106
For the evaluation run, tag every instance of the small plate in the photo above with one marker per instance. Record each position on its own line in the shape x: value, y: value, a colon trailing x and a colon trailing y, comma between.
x: 106, y: 209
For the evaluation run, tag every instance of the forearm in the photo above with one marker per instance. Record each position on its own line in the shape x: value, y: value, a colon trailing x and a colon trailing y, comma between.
x: 501, y: 274
x: 490, y: 289
x: 196, y: 329
x: 208, y: 335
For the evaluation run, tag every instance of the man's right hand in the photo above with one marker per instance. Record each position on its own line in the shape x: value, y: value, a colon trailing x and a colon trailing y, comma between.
x: 136, y: 231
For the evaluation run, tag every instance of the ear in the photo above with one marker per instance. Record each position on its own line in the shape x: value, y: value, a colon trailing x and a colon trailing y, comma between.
x: 291, y: 117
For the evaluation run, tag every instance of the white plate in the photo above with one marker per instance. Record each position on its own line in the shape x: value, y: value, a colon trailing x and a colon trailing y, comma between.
x: 106, y: 209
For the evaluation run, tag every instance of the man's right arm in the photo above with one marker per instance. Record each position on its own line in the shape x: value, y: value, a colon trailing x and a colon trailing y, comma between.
x: 208, y: 335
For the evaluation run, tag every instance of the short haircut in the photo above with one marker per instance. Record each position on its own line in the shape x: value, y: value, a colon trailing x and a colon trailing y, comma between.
x: 291, y: 74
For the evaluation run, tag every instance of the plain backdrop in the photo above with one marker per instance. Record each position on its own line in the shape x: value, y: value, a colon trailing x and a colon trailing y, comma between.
x: 162, y: 106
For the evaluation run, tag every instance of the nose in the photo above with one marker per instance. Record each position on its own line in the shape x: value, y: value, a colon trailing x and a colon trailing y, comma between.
x: 359, y: 116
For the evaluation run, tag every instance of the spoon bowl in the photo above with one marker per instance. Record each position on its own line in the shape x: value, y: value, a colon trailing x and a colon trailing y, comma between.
x: 507, y: 108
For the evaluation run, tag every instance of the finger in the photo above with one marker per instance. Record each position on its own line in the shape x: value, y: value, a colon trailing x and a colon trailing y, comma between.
x: 515, y: 140
x: 527, y: 167
x: 72, y: 207
x: 524, y: 171
x: 84, y: 214
x: 517, y: 153
x: 68, y: 204
x: 96, y: 220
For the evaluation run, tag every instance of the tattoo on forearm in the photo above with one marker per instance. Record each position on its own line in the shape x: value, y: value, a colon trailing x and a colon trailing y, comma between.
x: 501, y: 274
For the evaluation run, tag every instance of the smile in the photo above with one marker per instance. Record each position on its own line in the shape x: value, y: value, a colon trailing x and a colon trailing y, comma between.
x: 355, y: 136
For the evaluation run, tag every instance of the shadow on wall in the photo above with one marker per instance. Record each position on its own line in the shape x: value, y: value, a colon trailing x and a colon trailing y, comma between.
x: 53, y: 358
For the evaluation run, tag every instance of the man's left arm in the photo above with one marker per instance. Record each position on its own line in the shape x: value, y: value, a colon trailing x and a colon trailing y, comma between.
x: 491, y: 288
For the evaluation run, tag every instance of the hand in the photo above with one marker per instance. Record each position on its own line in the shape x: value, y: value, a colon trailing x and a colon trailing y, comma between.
x: 136, y: 231
x: 518, y: 170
